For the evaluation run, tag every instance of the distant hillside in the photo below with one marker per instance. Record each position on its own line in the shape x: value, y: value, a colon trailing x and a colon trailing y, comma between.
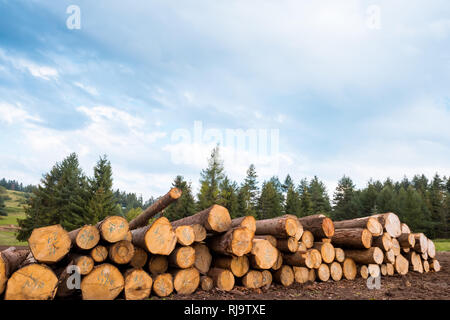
x: 15, y: 203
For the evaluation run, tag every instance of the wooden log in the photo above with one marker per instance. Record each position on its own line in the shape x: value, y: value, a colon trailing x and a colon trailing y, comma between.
x: 163, y: 285
x: 248, y: 222
x: 203, y: 258
x: 252, y: 279
x: 299, y: 231
x: 390, y: 269
x: 121, y: 252
x: 279, y: 227
x: 284, y: 276
x: 421, y: 244
x: 129, y: 236
x: 370, y: 223
x: 431, y: 249
x: 396, y: 247
x: 435, y: 265
x: 316, y: 257
x: 157, y: 238
x: 267, y: 278
x: 138, y: 284
x: 49, y: 244
x: 239, y: 266
x: 339, y: 255
x: 84, y: 263
x: 158, y: 264
x: 323, y: 272
x: 206, y: 283
x: 302, y: 248
x: 85, y: 238
x: 335, y: 271
x: 415, y: 262
x: 406, y: 240
x: 383, y: 269
x: 384, y: 242
x: 363, y: 271
x: 10, y: 260
x: 105, y: 282
x: 268, y: 237
x: 301, y: 274
x: 298, y: 259
x: 326, y: 250
x: 236, y: 241
x: 401, y: 265
x: 113, y: 229
x: 308, y: 239
x: 405, y: 229
x: 390, y: 222
x: 223, y: 279
x: 366, y: 256
x: 32, y: 282
x: 139, y: 258
x: 319, y: 225
x: 263, y: 255
x: 287, y: 245
x: 81, y: 264
x: 424, y: 255
x: 185, y: 235
x: 99, y: 253
x: 349, y: 269
x: 199, y: 232
x: 182, y: 257
x: 162, y: 203
x: 374, y: 270
x: 426, y: 266
x: 355, y: 238
x: 389, y: 256
x: 312, y: 275
x: 186, y: 281
x: 216, y: 219
x: 406, y: 250
x: 279, y: 262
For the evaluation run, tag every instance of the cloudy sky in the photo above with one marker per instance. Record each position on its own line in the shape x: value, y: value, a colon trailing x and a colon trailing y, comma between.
x: 323, y: 88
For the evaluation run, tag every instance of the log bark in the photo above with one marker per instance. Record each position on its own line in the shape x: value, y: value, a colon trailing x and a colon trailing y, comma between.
x: 431, y: 249
x: 390, y: 222
x: 185, y: 235
x: 10, y: 260
x: 367, y: 256
x: 248, y: 222
x: 263, y: 255
x: 239, y: 266
x: 157, y: 238
x: 252, y: 279
x: 139, y: 258
x: 339, y: 255
x: 406, y: 240
x: 223, y: 279
x: 383, y: 242
x: 287, y: 245
x: 401, y: 265
x: 199, y: 232
x: 268, y: 237
x: 349, y: 269
x: 99, y: 253
x: 355, y: 238
x: 105, y: 282
x: 32, y: 282
x: 206, y: 283
x: 158, y: 264
x: 279, y: 227
x: 236, y: 241
x: 121, y: 252
x: 284, y: 276
x: 138, y: 284
x: 308, y: 239
x: 163, y: 285
x: 85, y: 238
x: 370, y: 223
x: 113, y: 229
x: 186, y: 281
x: 49, y: 244
x: 326, y: 250
x: 335, y: 271
x: 319, y: 225
x: 216, y: 219
x: 323, y: 272
x: 182, y: 257
x: 421, y: 244
x: 301, y: 274
x: 298, y: 259
x: 203, y: 258
x: 160, y: 204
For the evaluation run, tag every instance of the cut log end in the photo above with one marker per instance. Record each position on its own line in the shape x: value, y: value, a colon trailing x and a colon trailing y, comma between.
x: 121, y: 252
x: 163, y: 285
x: 401, y: 265
x: 87, y: 237
x: 223, y: 279
x: 113, y: 229
x: 284, y: 276
x: 139, y: 258
x: 374, y: 227
x: 99, y: 253
x: 349, y: 269
x: 431, y: 249
x: 105, y: 282
x: 158, y: 264
x: 336, y: 271
x: 185, y: 235
x: 160, y: 237
x: 326, y: 250
x: 263, y: 254
x: 203, y: 258
x: 182, y: 257
x: 435, y: 265
x: 328, y: 227
x: 308, y: 239
x: 206, y: 283
x: 186, y: 281
x: 85, y: 264
x: 138, y: 285
x: 219, y: 219
x: 323, y: 272
x: 266, y: 278
x: 253, y: 279
x: 199, y: 232
x: 49, y: 244
x: 339, y: 254
x: 301, y: 274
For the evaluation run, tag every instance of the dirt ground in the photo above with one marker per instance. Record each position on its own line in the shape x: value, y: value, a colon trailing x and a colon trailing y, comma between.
x: 413, y: 286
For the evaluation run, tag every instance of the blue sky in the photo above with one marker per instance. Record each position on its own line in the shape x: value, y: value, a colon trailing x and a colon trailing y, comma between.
x: 325, y: 91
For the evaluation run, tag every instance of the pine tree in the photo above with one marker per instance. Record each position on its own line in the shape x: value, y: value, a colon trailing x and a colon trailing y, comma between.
x: 185, y: 205
x: 288, y: 182
x: 306, y: 206
x: 293, y: 205
x: 368, y: 200
x: 228, y: 197
x: 2, y: 206
x: 319, y: 197
x: 345, y: 202
x: 269, y: 203
x: 386, y: 201
x: 436, y: 206
x: 248, y: 194
x: 211, y: 177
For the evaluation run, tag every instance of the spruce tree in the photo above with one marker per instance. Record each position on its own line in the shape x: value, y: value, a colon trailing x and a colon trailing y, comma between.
x: 319, y: 197
x: 185, y: 205
x: 2, y: 206
x: 345, y: 201
x: 306, y: 206
x: 211, y: 177
x: 293, y: 205
x: 228, y: 197
x: 269, y: 203
x: 248, y: 194
x: 436, y: 206
x: 368, y: 200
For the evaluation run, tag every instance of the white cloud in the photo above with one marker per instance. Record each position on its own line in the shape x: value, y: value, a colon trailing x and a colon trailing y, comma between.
x: 36, y: 70
x: 89, y: 89
x: 13, y: 114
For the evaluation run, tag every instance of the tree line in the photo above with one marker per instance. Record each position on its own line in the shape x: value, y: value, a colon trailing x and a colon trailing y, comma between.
x: 68, y: 197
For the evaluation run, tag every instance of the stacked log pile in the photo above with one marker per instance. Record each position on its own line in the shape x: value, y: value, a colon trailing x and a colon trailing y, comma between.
x: 208, y: 250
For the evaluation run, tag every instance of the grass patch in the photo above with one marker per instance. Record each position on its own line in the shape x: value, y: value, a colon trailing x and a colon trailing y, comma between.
x: 8, y: 238
x: 14, y: 208
x: 442, y: 244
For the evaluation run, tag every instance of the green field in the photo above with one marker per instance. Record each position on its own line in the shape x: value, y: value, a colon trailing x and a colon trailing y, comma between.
x: 14, y: 208
x: 442, y: 244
